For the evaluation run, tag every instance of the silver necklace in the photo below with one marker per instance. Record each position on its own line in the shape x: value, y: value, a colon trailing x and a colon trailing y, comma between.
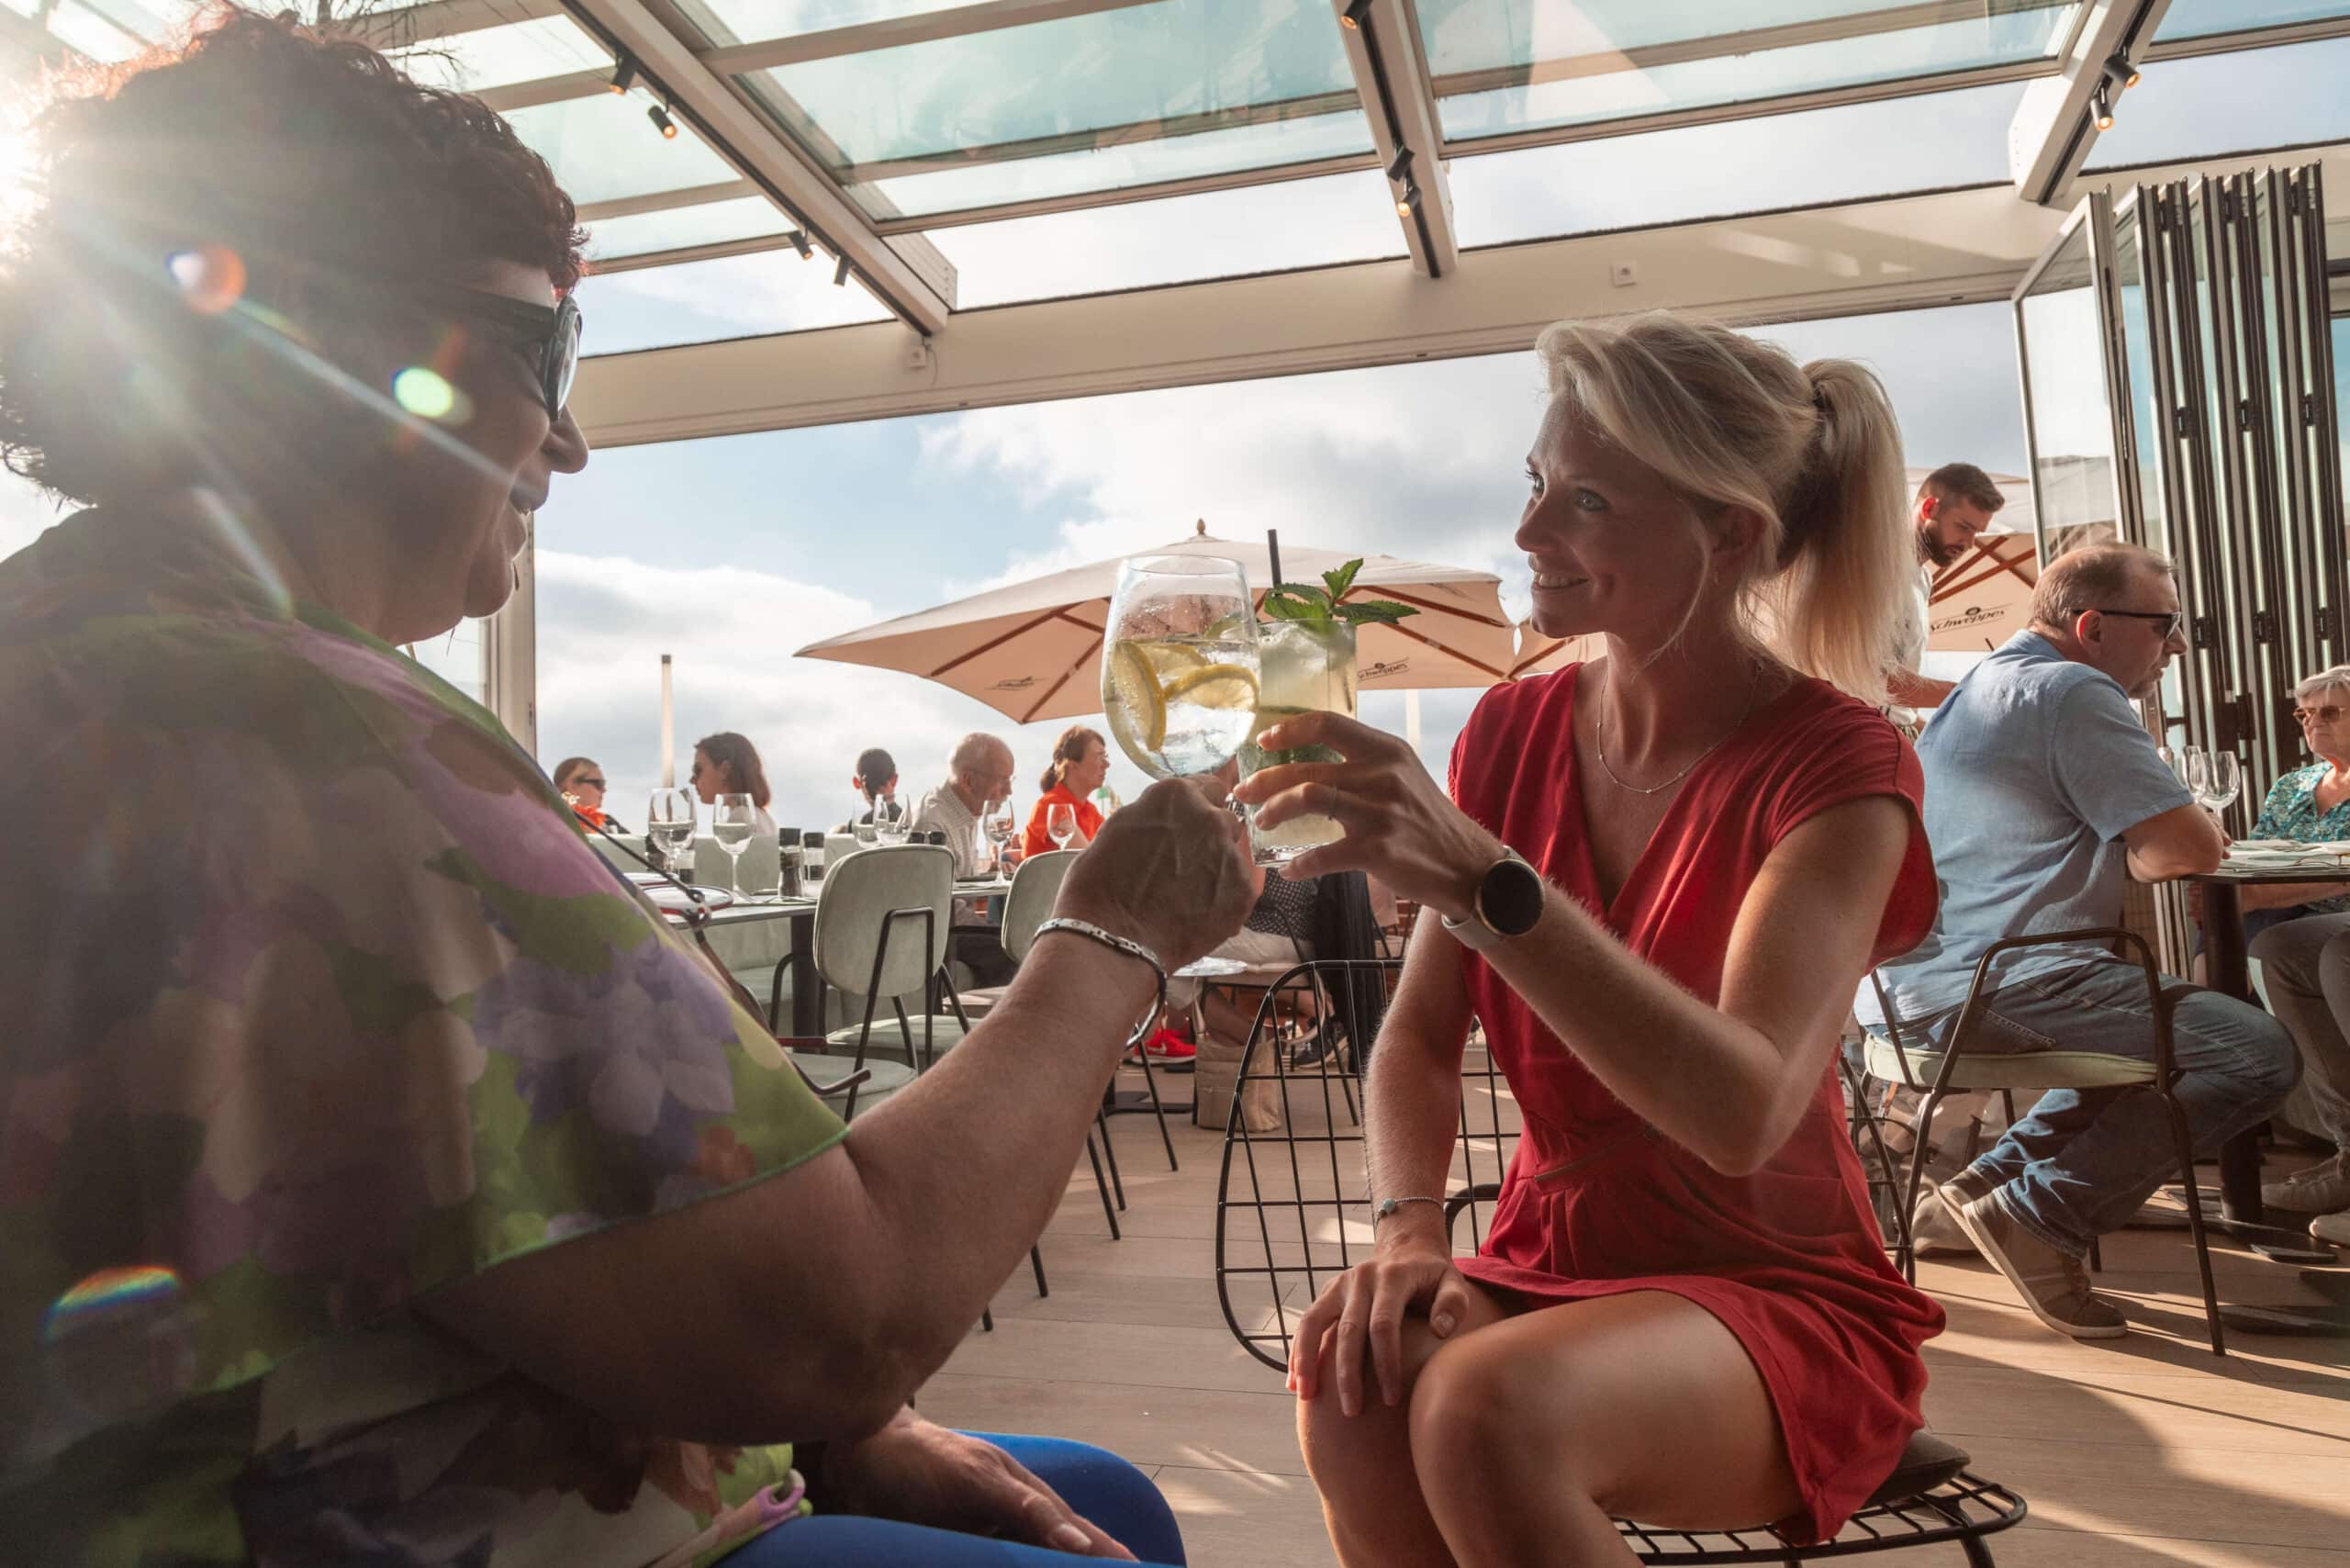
x: 1599, y: 739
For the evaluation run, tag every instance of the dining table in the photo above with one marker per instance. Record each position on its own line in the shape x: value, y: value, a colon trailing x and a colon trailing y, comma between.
x: 2228, y: 970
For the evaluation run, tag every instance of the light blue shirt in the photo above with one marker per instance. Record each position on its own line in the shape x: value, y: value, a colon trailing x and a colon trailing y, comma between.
x: 2035, y: 766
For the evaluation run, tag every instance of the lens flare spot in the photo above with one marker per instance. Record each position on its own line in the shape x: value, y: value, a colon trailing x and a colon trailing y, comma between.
x: 429, y: 395
x: 108, y: 1293
x: 211, y: 277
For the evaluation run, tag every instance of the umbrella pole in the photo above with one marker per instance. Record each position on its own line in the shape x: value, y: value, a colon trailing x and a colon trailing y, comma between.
x: 668, y: 731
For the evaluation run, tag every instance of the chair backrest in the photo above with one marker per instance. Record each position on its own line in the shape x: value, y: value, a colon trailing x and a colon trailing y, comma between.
x: 858, y: 897
x: 1292, y: 1204
x: 1036, y: 887
x: 605, y: 847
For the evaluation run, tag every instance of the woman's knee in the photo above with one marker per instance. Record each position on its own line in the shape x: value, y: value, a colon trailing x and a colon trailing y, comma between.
x: 1474, y: 1413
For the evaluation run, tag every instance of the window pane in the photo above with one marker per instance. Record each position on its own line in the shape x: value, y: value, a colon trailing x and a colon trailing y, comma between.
x: 2072, y: 420
x: 699, y: 302
x: 1512, y: 65
x: 500, y: 57
x: 705, y: 223
x: 603, y: 147
x: 2200, y: 19
x: 1843, y: 154
x: 1104, y: 99
x: 1297, y: 223
x: 750, y: 21
x: 2230, y: 103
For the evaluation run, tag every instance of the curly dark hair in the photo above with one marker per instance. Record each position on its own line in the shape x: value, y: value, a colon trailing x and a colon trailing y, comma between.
x: 320, y: 174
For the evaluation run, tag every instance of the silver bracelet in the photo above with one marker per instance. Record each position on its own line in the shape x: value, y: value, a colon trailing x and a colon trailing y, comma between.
x: 1118, y: 944
x: 1389, y: 1205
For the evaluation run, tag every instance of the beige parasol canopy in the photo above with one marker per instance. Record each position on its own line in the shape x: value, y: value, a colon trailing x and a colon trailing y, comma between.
x: 1032, y: 651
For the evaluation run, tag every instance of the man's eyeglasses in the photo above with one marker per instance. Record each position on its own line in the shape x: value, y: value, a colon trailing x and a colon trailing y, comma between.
x: 2171, y: 619
x: 2324, y: 713
x: 548, y: 336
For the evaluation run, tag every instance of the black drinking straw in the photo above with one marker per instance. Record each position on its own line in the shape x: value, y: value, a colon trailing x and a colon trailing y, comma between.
x: 1273, y: 549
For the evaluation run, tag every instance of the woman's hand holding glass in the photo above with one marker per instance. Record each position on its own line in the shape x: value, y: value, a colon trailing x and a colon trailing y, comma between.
x: 1400, y: 825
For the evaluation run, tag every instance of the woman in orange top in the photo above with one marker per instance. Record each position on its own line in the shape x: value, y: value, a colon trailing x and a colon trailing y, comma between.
x: 1081, y: 761
x: 582, y: 784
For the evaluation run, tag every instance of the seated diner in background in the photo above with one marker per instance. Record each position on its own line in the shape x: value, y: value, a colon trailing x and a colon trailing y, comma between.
x: 728, y: 764
x: 2043, y: 793
x: 2300, y: 934
x: 581, y: 784
x: 1080, y: 762
x: 979, y: 779
x: 388, y: 1183
x: 1683, y: 1312
x: 876, y: 782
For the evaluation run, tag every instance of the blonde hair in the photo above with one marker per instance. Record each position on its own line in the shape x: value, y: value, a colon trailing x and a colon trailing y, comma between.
x: 1812, y: 450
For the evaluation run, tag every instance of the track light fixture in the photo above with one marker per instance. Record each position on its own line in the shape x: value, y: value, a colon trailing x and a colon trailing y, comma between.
x: 1409, y: 202
x: 2121, y: 74
x: 840, y: 272
x: 661, y: 122
x: 2104, y: 107
x: 1400, y: 171
x: 1356, y: 14
x: 625, y: 77
x: 798, y: 240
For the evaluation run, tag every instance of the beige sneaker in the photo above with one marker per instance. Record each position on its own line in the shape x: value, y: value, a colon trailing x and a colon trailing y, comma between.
x: 1934, y: 1226
x: 2319, y: 1189
x: 2054, y: 1284
x: 2332, y: 1228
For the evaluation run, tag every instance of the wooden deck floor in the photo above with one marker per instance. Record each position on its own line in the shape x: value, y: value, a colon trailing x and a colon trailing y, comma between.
x: 2145, y: 1450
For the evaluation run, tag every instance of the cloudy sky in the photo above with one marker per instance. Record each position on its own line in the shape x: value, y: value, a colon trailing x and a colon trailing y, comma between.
x: 730, y: 553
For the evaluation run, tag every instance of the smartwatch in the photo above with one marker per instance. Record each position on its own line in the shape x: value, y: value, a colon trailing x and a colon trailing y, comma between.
x: 1508, y: 903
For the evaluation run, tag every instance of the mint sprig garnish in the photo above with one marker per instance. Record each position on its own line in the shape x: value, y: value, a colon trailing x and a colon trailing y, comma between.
x: 1302, y: 601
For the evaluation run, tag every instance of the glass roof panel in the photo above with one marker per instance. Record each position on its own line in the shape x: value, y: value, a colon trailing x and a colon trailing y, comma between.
x: 752, y: 21
x: 2201, y: 18
x: 603, y: 149
x: 1106, y: 99
x: 1846, y: 153
x: 701, y: 302
x: 2212, y: 104
x: 1505, y: 66
x: 705, y: 223
x: 500, y: 57
x: 1253, y: 228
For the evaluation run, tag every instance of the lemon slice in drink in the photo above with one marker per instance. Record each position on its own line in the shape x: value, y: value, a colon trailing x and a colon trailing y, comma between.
x: 1134, y: 706
x: 1215, y: 686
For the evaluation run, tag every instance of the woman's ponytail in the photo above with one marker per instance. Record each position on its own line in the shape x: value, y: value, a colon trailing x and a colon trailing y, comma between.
x: 1835, y: 605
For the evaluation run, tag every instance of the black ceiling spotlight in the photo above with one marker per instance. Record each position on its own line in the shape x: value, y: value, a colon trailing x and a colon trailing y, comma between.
x: 840, y: 272
x: 1400, y: 171
x: 625, y: 77
x: 1358, y: 12
x: 661, y: 122
x: 2121, y: 75
x: 1409, y: 202
x: 2104, y: 107
x: 798, y: 241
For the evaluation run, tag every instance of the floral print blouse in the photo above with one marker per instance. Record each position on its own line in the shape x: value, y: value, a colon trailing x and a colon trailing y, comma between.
x: 317, y: 1001
x: 2290, y: 811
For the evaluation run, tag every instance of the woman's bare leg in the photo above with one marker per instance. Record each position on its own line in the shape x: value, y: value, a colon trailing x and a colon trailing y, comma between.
x: 1362, y: 1464
x: 1529, y: 1435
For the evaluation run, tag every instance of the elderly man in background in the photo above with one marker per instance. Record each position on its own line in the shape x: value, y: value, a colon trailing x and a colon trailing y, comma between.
x: 979, y: 779
x: 1955, y: 502
x: 2043, y: 792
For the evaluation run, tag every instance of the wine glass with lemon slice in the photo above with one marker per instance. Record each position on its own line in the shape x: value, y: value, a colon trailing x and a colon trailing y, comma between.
x: 1179, y: 664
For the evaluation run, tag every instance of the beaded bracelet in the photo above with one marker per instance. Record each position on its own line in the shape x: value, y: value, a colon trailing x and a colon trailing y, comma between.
x: 1120, y: 945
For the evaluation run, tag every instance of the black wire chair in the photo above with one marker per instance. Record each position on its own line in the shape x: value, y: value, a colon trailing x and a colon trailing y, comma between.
x: 1292, y: 1211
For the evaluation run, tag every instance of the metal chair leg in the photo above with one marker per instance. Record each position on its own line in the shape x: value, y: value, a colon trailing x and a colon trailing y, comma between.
x: 2186, y: 1142
x: 1037, y: 1261
x: 1110, y: 1153
x: 1102, y: 1186
x: 987, y: 1321
x: 1923, y: 1132
x: 1151, y: 1082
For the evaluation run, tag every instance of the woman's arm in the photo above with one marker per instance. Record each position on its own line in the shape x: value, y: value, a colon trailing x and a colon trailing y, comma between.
x: 1412, y: 1101
x: 813, y: 1303
x: 1728, y: 1083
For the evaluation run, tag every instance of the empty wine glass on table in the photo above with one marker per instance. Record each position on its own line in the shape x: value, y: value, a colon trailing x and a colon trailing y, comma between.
x: 732, y: 819
x: 1179, y: 663
x: 2222, y: 780
x: 1060, y: 825
x: 2195, y: 771
x: 669, y: 828
x: 892, y: 830
x: 998, y: 831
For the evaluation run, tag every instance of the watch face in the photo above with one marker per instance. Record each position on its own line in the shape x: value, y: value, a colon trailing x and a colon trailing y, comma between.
x: 1510, y: 898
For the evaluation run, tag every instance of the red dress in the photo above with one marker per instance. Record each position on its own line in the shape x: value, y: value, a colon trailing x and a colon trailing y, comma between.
x: 1597, y: 1204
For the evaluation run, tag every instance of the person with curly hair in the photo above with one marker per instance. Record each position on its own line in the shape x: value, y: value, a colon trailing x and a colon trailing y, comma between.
x: 381, y: 1179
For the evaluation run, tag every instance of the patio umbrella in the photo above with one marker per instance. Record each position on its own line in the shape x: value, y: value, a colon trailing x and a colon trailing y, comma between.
x: 1032, y: 651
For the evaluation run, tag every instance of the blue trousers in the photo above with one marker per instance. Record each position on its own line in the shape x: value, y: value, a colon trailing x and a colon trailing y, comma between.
x: 1094, y: 1482
x: 2081, y: 1161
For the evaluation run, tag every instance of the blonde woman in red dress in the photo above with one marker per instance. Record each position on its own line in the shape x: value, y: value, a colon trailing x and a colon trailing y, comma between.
x: 1683, y: 1312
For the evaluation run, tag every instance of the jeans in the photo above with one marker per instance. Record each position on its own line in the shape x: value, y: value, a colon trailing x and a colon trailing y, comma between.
x: 2306, y: 963
x: 1097, y: 1483
x: 2081, y: 1161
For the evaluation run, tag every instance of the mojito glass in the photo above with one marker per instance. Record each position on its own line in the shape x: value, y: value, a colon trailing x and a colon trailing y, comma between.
x: 1304, y: 666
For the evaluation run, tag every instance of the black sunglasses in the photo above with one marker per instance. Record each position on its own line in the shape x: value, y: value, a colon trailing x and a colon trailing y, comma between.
x: 547, y: 335
x: 588, y: 783
x: 2169, y: 618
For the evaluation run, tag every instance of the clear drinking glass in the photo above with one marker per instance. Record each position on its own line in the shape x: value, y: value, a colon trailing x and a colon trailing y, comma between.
x: 1060, y: 825
x: 892, y: 830
x: 732, y: 819
x: 998, y: 831
x: 2195, y: 771
x: 669, y: 827
x: 1306, y: 666
x: 2223, y: 781
x: 1179, y: 664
